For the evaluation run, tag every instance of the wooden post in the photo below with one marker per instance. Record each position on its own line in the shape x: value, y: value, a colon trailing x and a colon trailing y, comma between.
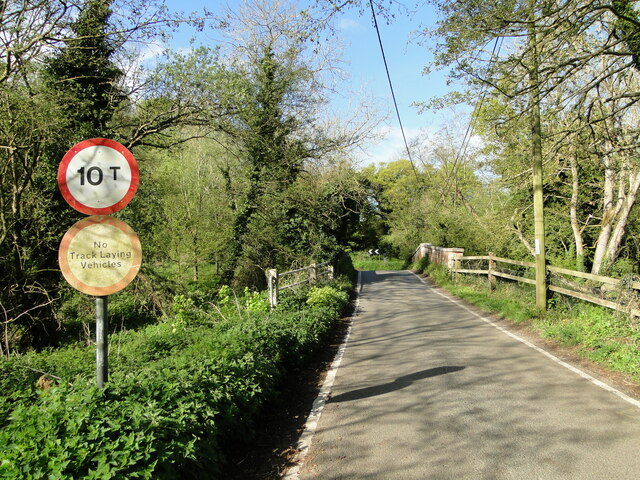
x: 313, y: 273
x: 102, y: 342
x: 454, y: 260
x: 536, y: 151
x: 492, y: 268
x: 272, y: 281
x: 539, y: 245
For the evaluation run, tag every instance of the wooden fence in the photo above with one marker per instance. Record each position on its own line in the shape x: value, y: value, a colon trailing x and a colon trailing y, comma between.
x: 614, y: 293
x: 300, y: 276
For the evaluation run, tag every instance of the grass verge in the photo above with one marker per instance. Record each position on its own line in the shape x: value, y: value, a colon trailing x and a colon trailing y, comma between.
x: 364, y: 261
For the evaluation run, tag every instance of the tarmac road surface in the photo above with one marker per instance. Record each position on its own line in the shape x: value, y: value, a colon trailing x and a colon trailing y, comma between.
x: 428, y: 390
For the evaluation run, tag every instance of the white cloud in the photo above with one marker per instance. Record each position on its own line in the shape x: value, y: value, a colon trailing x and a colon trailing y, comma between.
x: 349, y: 25
x: 390, y: 147
x: 149, y: 53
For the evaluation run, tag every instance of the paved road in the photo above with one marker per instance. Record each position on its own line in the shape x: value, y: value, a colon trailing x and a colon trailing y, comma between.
x: 428, y: 390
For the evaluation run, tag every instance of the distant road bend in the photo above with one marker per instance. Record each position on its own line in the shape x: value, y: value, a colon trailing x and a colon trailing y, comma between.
x: 427, y: 389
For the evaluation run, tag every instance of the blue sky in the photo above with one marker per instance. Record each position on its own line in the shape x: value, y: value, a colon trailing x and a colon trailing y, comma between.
x: 363, y: 62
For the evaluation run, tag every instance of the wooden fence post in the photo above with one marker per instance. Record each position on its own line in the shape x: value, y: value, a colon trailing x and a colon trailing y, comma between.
x: 492, y: 268
x: 313, y: 273
x: 272, y: 281
x: 453, y: 256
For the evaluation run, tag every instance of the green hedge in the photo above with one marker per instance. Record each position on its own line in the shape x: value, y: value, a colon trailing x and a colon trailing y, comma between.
x: 178, y: 392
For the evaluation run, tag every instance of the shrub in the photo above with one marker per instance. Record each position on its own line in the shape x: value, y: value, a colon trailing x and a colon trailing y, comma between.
x: 184, y: 311
x: 175, y: 399
x: 293, y: 299
x: 439, y: 273
x: 344, y: 266
x: 228, y: 301
x: 327, y: 297
x: 421, y: 265
x: 342, y: 283
x: 255, y: 301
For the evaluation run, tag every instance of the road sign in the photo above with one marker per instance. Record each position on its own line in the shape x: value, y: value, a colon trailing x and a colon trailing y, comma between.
x: 100, y: 255
x: 98, y: 176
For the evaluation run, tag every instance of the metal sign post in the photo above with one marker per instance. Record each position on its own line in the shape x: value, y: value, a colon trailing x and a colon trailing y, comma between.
x: 102, y: 342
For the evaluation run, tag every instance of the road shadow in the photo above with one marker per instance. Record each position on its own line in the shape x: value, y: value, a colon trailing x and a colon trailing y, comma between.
x: 398, y: 384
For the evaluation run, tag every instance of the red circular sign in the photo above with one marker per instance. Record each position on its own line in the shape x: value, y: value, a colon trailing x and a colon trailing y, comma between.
x: 98, y: 176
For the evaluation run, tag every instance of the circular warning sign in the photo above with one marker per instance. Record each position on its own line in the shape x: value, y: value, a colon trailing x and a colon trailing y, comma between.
x: 98, y: 176
x: 100, y: 255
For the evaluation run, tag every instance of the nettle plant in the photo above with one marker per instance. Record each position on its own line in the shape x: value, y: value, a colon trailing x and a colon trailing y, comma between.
x: 327, y: 297
x: 250, y: 301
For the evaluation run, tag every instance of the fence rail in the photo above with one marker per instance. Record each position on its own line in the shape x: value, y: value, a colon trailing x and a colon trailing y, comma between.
x: 589, y: 291
x: 300, y: 276
x: 618, y: 294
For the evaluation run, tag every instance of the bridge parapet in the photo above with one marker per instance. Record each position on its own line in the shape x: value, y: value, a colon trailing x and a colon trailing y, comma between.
x: 439, y: 255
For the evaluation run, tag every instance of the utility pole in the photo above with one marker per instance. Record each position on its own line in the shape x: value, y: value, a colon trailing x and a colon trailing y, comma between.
x: 536, y: 151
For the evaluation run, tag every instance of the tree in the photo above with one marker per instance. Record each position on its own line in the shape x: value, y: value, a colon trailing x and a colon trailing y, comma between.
x: 76, y: 94
x: 443, y: 201
x: 34, y: 142
x: 583, y: 58
x: 278, y: 91
x: 196, y: 229
x: 84, y: 74
x: 29, y: 125
x: 29, y: 28
x: 46, y: 45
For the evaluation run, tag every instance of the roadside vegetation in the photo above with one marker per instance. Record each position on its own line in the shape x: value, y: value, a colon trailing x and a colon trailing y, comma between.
x: 180, y: 390
x: 366, y: 261
x: 242, y: 166
x: 601, y: 335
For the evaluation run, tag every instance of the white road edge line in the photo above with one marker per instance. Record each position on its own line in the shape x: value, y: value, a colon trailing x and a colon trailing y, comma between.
x: 304, y: 442
x: 568, y: 366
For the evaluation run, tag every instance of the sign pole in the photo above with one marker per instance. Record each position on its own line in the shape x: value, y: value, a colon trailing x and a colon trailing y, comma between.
x: 102, y: 343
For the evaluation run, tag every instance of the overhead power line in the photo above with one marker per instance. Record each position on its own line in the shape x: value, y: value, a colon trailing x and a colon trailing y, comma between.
x: 476, y: 111
x: 393, y: 95
x: 466, y: 140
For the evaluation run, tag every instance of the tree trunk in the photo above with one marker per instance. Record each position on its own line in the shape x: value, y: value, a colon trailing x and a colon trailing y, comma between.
x: 577, y: 232
x: 608, y: 214
x: 619, y: 228
x: 615, y: 215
